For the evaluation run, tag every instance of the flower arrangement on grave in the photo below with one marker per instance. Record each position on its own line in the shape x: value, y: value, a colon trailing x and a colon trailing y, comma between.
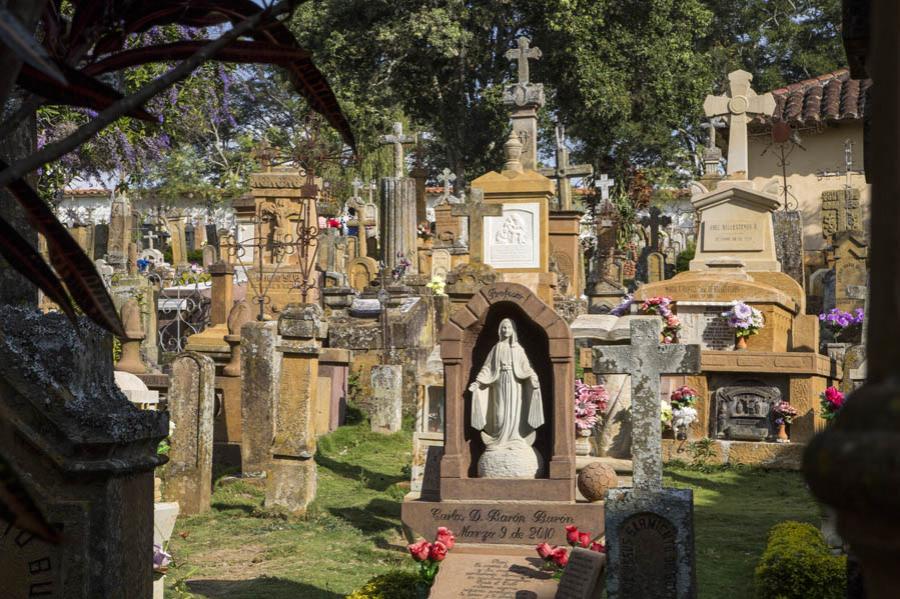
x: 783, y: 414
x: 590, y: 403
x: 665, y: 414
x: 745, y: 320
x: 430, y: 555
x: 399, y: 270
x: 844, y: 326
x: 437, y: 285
x: 684, y: 414
x: 831, y: 400
x: 661, y: 306
x: 557, y: 556
x: 161, y: 560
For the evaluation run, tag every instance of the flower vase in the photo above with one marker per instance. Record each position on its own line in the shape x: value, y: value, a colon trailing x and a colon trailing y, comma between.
x: 782, y: 434
x: 583, y: 443
x: 740, y: 343
x: 423, y: 589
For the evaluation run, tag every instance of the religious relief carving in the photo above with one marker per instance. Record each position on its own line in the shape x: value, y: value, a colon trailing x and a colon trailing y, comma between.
x: 841, y: 212
x: 276, y: 180
x: 744, y: 409
x: 507, y: 408
x: 512, y: 231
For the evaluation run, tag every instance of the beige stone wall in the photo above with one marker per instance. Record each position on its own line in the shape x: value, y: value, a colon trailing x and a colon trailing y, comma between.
x: 824, y: 151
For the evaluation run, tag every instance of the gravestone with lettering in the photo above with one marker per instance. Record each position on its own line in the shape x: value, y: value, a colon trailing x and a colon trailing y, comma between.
x: 582, y: 576
x: 85, y: 456
x: 649, y: 529
x: 386, y: 413
x: 493, y: 573
x: 702, y: 323
x: 850, y: 271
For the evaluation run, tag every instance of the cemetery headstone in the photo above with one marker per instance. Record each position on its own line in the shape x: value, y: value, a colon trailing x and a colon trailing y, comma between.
x: 260, y: 386
x: 582, y: 576
x: 387, y: 398
x: 850, y: 271
x: 492, y: 574
x: 744, y: 410
x: 841, y: 212
x: 57, y: 392
x: 649, y: 529
x: 526, y: 98
x: 565, y: 171
x: 656, y: 267
x: 788, y: 228
x: 191, y: 401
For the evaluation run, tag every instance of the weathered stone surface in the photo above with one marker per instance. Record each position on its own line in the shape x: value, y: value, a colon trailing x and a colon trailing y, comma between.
x: 650, y: 544
x: 502, y: 521
x: 743, y: 410
x: 57, y: 392
x: 386, y: 413
x: 788, y: 227
x: 473, y: 572
x: 645, y: 360
x: 260, y: 387
x: 595, y: 479
x: 191, y: 401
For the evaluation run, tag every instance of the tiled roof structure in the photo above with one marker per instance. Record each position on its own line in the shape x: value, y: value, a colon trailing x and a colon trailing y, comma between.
x: 824, y: 99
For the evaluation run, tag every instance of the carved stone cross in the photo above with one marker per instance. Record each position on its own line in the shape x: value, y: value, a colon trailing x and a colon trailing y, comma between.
x: 742, y: 103
x: 605, y: 183
x: 645, y: 359
x: 151, y: 237
x: 475, y: 209
x: 521, y: 53
x: 447, y: 178
x: 654, y: 221
x: 565, y: 171
x: 397, y: 140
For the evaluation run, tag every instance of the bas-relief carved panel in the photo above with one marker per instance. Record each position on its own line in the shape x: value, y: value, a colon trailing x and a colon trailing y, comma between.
x: 744, y: 410
x: 512, y: 240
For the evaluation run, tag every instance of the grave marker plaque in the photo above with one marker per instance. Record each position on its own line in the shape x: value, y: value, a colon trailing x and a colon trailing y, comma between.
x: 648, y: 556
x: 475, y: 573
x: 581, y: 578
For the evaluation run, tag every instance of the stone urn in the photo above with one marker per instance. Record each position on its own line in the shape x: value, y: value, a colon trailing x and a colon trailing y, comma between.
x: 583, y: 442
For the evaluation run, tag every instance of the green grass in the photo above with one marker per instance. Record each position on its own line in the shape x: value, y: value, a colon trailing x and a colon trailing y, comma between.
x: 241, y: 550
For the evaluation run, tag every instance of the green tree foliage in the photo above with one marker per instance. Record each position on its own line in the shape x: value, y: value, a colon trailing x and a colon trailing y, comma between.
x: 777, y: 41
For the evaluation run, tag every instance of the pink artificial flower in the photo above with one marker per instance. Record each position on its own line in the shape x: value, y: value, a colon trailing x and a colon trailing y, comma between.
x: 834, y: 397
x: 437, y: 552
x: 445, y: 536
x: 560, y: 557
x: 572, y: 534
x: 598, y: 547
x: 420, y: 550
x: 584, y: 539
x: 544, y: 550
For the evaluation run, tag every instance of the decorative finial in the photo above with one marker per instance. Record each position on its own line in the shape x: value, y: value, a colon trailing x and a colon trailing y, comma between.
x: 513, y: 151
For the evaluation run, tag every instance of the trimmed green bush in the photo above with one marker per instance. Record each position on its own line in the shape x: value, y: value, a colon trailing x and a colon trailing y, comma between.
x: 798, y: 565
x: 396, y: 584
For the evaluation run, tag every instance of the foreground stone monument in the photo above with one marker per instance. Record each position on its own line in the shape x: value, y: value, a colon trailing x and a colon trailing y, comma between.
x: 86, y: 457
x: 649, y: 529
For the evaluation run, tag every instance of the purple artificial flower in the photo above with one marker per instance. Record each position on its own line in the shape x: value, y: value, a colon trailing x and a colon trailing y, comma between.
x: 161, y: 559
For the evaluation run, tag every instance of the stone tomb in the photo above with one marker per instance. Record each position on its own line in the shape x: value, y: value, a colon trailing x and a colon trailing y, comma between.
x: 515, y: 511
x: 386, y: 413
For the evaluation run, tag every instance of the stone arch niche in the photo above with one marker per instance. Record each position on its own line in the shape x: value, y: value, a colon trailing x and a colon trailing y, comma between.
x: 465, y: 342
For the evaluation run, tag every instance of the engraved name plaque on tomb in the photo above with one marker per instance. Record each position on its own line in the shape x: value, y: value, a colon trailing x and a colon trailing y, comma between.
x: 732, y: 236
x: 702, y: 323
x: 492, y: 574
x: 512, y: 240
x: 744, y: 411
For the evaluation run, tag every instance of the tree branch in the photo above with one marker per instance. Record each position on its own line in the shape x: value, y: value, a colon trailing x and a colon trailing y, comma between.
x: 51, y: 152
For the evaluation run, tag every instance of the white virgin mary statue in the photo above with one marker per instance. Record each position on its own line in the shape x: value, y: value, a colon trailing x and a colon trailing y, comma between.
x: 507, y: 408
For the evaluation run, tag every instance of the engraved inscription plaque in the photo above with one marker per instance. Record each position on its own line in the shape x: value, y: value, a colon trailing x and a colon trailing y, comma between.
x: 732, y: 236
x: 648, y: 557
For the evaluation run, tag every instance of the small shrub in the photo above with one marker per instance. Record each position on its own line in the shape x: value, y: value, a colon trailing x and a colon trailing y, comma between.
x: 683, y: 260
x: 396, y: 584
x: 796, y: 564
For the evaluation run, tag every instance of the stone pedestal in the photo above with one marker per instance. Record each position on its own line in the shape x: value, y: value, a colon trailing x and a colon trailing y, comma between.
x: 291, y: 471
x: 398, y: 227
x: 84, y: 455
x: 188, y: 478
x: 566, y: 252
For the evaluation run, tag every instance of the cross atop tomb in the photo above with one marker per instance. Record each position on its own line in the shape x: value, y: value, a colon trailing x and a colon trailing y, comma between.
x: 521, y: 54
x: 475, y: 210
x: 265, y: 154
x: 397, y: 140
x: 605, y: 184
x: 654, y: 221
x: 738, y: 107
x: 357, y: 185
x: 447, y: 178
x: 646, y: 359
x: 565, y: 171
x: 151, y: 237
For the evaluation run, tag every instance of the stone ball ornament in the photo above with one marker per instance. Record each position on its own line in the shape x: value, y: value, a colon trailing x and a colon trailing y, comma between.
x: 596, y: 479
